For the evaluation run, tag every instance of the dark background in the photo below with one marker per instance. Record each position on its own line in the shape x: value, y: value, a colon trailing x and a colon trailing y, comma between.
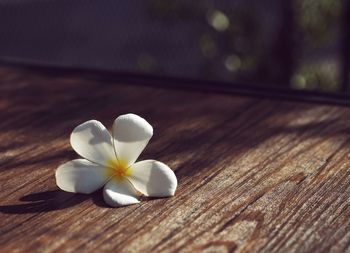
x: 299, y: 44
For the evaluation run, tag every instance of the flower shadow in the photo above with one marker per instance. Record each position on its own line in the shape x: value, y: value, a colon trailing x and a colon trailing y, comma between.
x: 49, y: 201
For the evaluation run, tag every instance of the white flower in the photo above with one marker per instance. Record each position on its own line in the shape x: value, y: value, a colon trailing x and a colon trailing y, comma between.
x: 110, y: 162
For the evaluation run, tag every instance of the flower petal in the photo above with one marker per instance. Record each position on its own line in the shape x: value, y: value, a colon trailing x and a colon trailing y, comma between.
x: 131, y: 134
x: 153, y: 178
x: 92, y: 141
x: 80, y: 176
x: 119, y: 193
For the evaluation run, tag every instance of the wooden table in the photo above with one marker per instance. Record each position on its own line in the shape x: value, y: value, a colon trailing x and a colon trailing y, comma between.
x: 255, y: 174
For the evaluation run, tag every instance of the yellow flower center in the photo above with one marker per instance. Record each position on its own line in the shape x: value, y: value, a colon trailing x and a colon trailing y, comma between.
x: 118, y: 169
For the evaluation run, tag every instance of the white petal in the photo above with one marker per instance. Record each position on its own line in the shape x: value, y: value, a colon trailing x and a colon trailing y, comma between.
x: 80, y: 176
x: 119, y: 193
x: 92, y: 141
x: 131, y: 134
x: 153, y: 178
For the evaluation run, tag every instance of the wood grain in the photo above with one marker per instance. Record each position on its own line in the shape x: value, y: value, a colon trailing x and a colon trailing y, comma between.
x: 255, y: 175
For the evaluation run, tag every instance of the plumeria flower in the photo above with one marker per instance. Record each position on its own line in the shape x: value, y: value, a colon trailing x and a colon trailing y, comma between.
x: 110, y: 163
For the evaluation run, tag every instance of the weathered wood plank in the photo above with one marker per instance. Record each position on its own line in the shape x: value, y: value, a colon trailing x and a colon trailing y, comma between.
x: 255, y: 175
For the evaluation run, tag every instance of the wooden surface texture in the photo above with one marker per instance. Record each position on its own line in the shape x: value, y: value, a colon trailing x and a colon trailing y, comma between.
x: 255, y: 175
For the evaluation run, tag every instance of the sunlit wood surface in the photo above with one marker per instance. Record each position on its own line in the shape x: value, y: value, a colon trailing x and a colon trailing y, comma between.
x: 255, y: 175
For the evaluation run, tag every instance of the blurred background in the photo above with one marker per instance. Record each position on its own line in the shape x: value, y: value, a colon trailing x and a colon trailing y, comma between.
x: 295, y: 44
